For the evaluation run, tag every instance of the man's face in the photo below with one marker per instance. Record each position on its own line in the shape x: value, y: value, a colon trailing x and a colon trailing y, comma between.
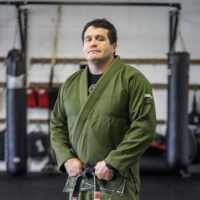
x: 97, y: 45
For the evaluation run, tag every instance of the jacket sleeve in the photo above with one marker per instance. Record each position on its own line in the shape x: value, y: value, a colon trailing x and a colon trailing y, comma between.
x: 59, y: 132
x: 142, y: 117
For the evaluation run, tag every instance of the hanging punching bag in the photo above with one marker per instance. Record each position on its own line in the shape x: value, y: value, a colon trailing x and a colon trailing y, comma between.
x: 16, y: 113
x: 177, y: 127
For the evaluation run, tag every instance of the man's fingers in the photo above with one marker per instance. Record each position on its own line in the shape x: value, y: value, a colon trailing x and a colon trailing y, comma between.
x: 73, y: 167
x: 106, y: 176
x: 74, y: 172
x: 104, y: 173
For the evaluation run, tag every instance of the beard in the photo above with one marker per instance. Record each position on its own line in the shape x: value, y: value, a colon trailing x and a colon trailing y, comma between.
x: 93, y: 58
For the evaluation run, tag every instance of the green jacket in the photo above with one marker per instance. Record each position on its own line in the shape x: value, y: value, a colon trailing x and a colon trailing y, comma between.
x: 116, y: 122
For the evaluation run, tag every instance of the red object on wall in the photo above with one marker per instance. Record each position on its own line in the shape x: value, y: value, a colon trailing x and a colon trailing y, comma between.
x: 43, y: 99
x: 31, y: 97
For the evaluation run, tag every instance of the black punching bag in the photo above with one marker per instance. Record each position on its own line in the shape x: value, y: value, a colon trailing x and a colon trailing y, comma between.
x: 16, y: 113
x: 177, y: 127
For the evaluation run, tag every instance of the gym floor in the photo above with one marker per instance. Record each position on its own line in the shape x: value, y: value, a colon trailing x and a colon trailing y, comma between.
x: 48, y: 186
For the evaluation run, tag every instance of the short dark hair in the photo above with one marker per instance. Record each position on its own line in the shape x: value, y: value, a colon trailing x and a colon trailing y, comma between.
x: 105, y: 24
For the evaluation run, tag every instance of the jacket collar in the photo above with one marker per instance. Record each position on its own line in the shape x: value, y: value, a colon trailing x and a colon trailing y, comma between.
x: 107, y: 75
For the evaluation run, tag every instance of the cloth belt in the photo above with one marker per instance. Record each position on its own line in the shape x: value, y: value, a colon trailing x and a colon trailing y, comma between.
x: 87, y: 173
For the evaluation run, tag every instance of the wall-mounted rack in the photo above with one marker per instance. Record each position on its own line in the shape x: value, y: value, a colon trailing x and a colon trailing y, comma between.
x: 154, y: 85
x: 36, y: 85
x: 2, y: 84
x: 2, y: 59
x: 2, y: 120
x: 79, y: 60
x: 46, y: 121
x: 32, y: 121
x: 152, y: 61
x: 38, y: 121
x: 138, y: 61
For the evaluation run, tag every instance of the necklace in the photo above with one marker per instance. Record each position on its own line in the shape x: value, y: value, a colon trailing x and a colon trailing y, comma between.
x: 91, y: 88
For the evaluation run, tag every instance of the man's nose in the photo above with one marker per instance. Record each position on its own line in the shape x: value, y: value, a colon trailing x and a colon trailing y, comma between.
x: 93, y: 42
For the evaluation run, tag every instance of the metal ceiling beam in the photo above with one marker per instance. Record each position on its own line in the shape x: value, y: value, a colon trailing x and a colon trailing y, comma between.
x: 86, y: 3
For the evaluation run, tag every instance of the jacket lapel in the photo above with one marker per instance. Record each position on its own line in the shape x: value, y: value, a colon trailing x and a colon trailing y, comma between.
x: 84, y: 87
x: 88, y: 102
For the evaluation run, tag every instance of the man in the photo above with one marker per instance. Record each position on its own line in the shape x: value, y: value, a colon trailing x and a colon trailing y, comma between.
x: 104, y: 118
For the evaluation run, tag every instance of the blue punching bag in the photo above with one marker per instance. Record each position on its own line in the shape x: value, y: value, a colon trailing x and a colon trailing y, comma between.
x: 16, y: 137
x: 177, y: 127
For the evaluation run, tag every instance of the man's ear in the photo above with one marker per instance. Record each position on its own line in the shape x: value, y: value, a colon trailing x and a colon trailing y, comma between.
x: 114, y: 46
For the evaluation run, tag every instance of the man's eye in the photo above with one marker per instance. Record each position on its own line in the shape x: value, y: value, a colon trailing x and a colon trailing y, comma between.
x: 100, y: 39
x: 87, y: 39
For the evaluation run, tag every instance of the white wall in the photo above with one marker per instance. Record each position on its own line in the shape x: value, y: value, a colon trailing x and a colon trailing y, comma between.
x: 143, y: 32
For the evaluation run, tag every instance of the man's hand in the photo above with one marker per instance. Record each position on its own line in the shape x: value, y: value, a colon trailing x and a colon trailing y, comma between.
x: 102, y: 172
x: 73, y: 166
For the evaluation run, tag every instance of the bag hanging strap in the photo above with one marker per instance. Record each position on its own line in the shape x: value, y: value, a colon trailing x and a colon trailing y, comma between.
x: 52, y: 159
x: 53, y: 60
x: 87, y: 173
